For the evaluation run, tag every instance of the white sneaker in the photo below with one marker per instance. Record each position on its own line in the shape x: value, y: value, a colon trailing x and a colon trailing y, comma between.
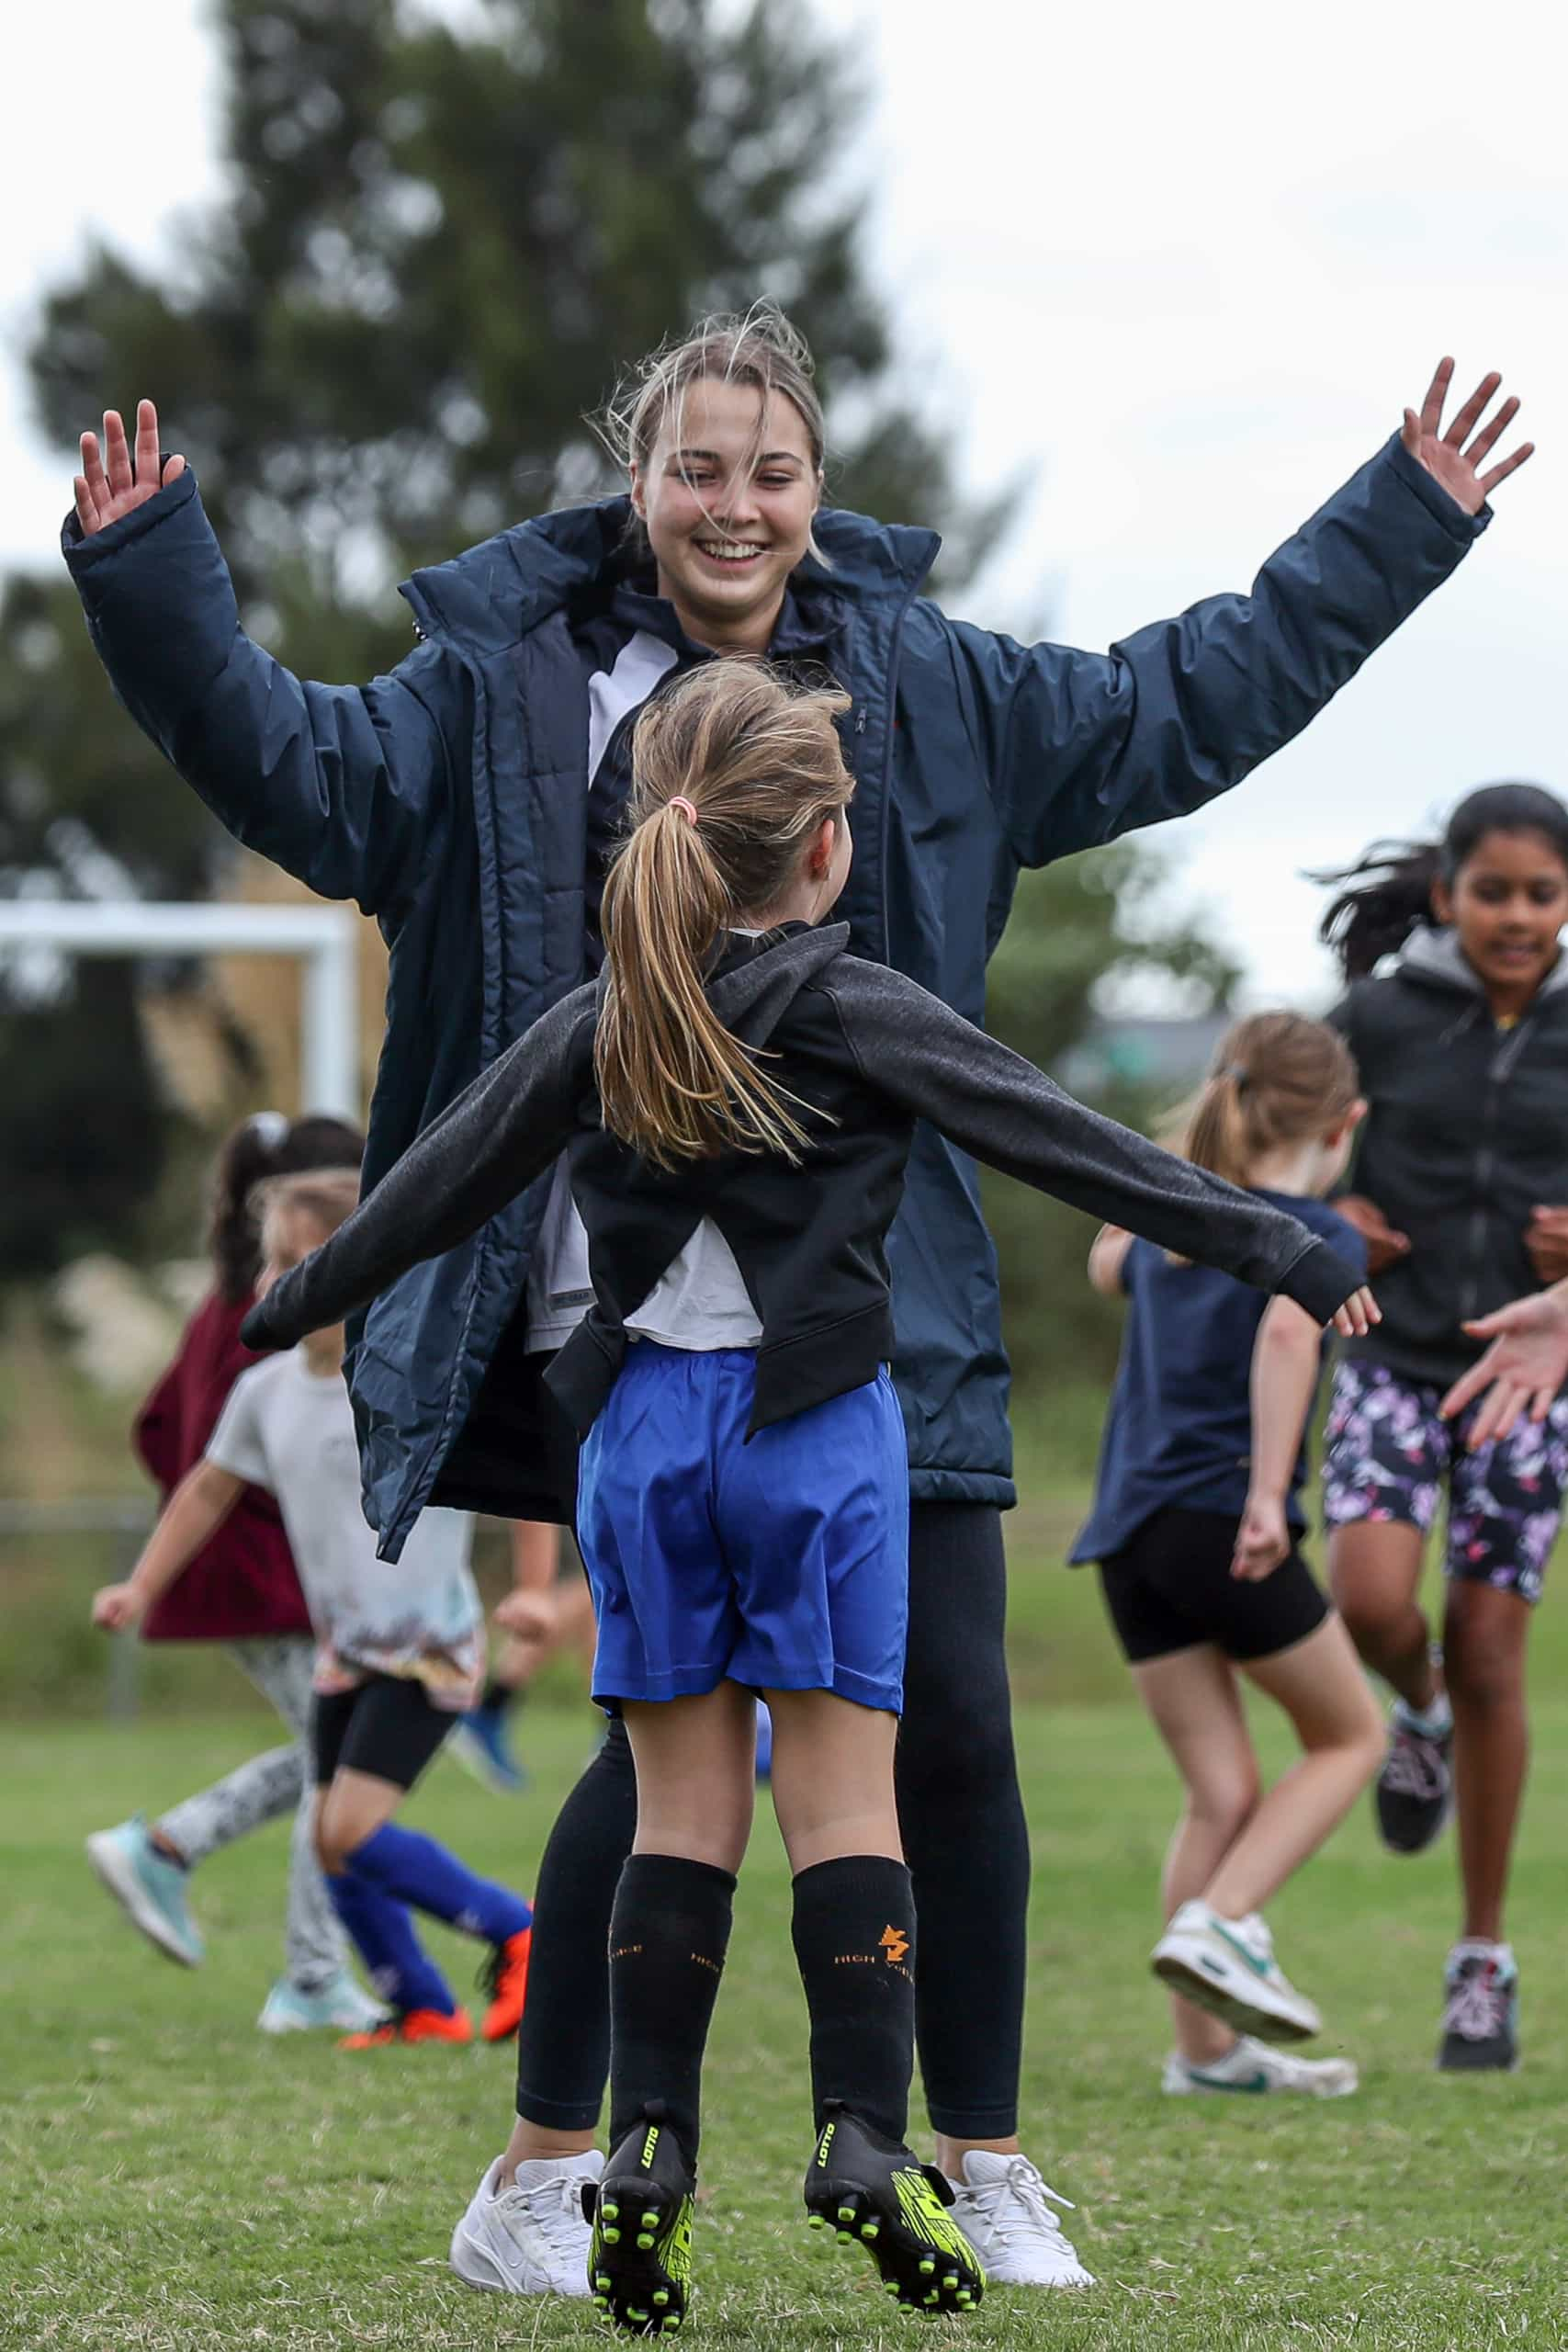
x: 532, y: 2239
x: 1228, y: 1966
x: 341, y: 2004
x: 1000, y: 2206
x: 150, y: 1888
x: 1252, y: 2066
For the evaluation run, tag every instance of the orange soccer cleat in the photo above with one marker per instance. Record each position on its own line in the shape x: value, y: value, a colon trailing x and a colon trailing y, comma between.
x: 414, y: 2025
x: 506, y: 1980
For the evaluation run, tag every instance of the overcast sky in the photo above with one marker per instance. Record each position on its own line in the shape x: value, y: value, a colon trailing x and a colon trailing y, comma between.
x: 1181, y: 268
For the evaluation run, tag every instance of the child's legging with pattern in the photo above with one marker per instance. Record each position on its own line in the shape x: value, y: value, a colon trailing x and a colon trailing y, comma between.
x: 261, y: 1790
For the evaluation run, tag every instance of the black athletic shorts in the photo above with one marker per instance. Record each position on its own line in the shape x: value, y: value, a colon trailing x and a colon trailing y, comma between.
x: 1171, y: 1588
x: 388, y: 1728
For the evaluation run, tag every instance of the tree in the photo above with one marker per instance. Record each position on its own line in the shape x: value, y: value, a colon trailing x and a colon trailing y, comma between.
x: 441, y: 244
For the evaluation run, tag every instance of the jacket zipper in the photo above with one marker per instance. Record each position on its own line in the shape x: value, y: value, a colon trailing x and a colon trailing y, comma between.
x: 1500, y: 1070
x: 885, y: 824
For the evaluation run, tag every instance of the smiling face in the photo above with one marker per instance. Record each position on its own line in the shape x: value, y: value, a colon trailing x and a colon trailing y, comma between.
x: 727, y: 494
x: 1508, y: 904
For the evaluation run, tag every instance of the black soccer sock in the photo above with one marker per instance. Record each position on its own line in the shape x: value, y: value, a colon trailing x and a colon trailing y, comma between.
x: 669, y: 1933
x: 854, y: 1941
x: 499, y: 1696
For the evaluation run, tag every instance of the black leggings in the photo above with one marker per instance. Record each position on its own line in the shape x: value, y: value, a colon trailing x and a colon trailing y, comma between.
x: 963, y: 1833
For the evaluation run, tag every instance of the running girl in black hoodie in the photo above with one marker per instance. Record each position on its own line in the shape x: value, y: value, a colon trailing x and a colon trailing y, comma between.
x: 1462, y: 1049
x: 738, y: 1100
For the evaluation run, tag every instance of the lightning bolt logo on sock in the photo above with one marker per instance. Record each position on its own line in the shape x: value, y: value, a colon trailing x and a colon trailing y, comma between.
x: 894, y: 1944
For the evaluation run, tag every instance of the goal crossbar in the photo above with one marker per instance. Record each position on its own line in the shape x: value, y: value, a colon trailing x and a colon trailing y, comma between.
x: 321, y: 937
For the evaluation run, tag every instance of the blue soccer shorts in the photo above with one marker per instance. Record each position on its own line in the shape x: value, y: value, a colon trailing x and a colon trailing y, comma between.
x: 782, y: 1563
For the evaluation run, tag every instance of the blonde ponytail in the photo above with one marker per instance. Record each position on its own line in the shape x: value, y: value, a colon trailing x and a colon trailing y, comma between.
x: 1278, y: 1078
x: 1217, y: 1134
x: 755, y: 767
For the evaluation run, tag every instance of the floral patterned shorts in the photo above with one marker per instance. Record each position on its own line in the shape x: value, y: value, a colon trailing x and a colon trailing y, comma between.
x: 1388, y: 1452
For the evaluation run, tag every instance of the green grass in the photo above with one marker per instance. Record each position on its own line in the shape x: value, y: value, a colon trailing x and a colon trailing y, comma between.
x: 173, y: 2181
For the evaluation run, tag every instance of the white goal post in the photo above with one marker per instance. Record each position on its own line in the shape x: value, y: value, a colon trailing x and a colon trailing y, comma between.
x: 322, y: 938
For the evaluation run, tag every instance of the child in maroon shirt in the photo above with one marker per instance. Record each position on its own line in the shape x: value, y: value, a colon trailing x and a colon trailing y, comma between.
x: 242, y: 1590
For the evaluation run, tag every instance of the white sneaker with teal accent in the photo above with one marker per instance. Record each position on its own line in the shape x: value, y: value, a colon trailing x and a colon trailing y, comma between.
x: 340, y: 2005
x: 1252, y: 2067
x: 1228, y: 1966
x: 530, y: 2239
x: 149, y: 1888
x: 1001, y: 2207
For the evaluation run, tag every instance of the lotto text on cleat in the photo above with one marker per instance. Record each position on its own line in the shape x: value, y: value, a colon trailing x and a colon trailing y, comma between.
x: 873, y: 2190
x: 640, y: 2255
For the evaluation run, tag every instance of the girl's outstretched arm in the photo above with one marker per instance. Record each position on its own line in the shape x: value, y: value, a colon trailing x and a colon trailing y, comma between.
x: 915, y: 1050
x: 194, y: 1512
x: 486, y: 1147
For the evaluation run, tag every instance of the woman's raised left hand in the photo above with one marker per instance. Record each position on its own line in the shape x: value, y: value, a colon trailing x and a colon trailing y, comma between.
x: 1445, y: 455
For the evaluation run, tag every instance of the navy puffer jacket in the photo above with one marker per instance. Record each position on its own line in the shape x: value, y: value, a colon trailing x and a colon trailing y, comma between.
x: 449, y: 800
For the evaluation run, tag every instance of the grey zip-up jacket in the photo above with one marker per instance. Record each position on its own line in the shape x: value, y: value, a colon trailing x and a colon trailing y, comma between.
x: 867, y: 1052
x: 1467, y: 1132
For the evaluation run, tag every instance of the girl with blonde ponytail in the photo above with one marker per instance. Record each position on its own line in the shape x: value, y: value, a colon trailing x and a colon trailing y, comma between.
x: 1195, y: 1523
x: 736, y: 1096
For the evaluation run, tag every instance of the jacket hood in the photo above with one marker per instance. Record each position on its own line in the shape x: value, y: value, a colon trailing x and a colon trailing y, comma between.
x: 1434, y: 958
x: 756, y: 981
x: 487, y: 598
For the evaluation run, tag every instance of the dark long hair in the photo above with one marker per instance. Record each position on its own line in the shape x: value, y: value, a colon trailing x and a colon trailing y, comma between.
x: 261, y: 1147
x: 1384, y: 896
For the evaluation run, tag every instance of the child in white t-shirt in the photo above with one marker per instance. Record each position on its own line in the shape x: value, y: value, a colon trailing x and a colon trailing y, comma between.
x: 400, y: 1649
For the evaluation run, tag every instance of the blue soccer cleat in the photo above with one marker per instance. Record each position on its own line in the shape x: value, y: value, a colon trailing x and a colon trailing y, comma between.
x: 479, y: 1745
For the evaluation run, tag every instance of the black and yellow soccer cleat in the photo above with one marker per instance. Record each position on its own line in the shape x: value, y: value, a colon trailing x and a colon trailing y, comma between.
x: 873, y: 2192
x: 640, y: 2256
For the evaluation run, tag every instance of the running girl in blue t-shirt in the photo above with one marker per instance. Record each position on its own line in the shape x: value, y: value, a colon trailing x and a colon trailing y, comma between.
x: 739, y: 1100
x: 1195, y: 1524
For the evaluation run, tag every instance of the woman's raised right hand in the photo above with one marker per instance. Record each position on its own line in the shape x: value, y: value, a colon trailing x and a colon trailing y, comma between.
x: 115, y: 480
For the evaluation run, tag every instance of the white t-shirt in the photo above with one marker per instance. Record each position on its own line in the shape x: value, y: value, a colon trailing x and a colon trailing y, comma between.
x: 700, y: 1301
x: 291, y: 1431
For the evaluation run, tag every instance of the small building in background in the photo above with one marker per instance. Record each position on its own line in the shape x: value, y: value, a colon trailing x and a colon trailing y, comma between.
x: 1162, y: 1056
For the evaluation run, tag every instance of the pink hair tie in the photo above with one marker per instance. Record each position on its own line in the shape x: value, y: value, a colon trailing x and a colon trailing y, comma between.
x: 679, y: 800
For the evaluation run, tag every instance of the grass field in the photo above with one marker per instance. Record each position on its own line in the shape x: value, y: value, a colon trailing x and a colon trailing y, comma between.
x: 172, y: 2180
